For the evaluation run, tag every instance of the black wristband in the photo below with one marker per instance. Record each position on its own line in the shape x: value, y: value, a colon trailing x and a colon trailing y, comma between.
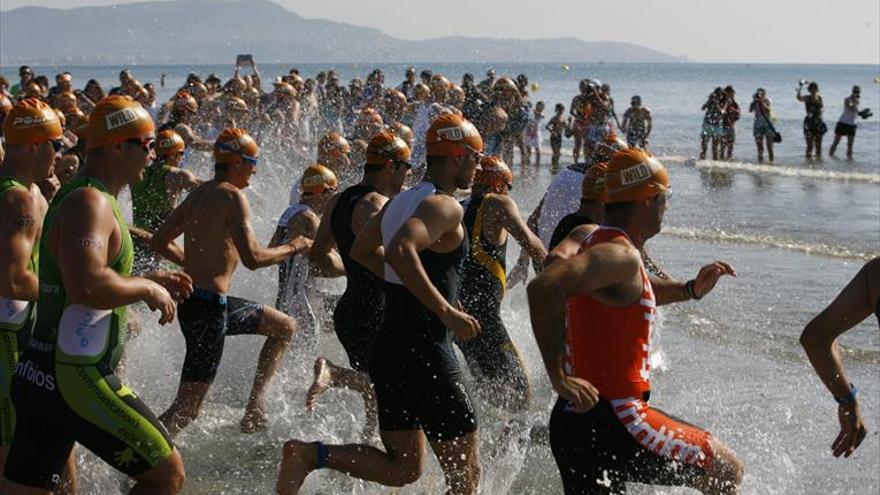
x: 849, y: 398
x: 689, y: 287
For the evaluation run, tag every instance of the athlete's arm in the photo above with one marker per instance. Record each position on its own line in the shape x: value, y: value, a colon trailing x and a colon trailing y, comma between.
x: 649, y: 121
x: 178, y: 179
x: 854, y: 303
x: 436, y: 216
x: 592, y: 270
x: 323, y: 256
x: 571, y: 244
x: 368, y: 249
x: 520, y: 271
x: 305, y: 225
x: 81, y: 243
x: 254, y: 256
x: 162, y: 240
x: 19, y: 228
x: 508, y: 216
x: 192, y: 140
x: 668, y: 290
x: 626, y: 116
x: 140, y: 234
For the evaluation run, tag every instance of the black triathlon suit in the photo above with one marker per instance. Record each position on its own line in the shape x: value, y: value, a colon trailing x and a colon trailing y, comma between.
x: 566, y: 225
x: 359, y: 312
x: 491, y: 355
x: 413, y: 365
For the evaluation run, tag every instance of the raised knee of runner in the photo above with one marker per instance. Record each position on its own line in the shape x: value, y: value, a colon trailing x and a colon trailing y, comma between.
x: 167, y: 477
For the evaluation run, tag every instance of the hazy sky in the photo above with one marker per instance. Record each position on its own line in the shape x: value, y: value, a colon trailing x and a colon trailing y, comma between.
x: 785, y: 31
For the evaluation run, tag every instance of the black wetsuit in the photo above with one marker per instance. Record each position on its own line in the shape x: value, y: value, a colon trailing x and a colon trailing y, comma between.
x: 491, y: 355
x: 358, y: 314
x: 566, y: 225
x: 413, y: 365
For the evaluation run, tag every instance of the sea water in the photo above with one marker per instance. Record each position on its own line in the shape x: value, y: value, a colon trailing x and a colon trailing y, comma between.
x: 796, y: 231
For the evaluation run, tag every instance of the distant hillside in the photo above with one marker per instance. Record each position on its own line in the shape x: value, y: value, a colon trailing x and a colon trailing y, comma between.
x: 210, y: 31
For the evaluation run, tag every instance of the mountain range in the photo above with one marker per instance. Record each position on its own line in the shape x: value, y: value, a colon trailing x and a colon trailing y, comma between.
x: 212, y: 31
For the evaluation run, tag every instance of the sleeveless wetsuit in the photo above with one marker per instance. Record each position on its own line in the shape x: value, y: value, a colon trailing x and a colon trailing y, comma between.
x: 622, y: 438
x: 16, y: 323
x: 293, y: 281
x: 64, y: 388
x: 565, y: 226
x: 150, y: 207
x: 491, y: 355
x: 358, y: 315
x: 413, y: 365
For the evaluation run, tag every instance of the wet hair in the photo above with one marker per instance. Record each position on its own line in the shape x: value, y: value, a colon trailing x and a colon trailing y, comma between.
x: 729, y: 89
x: 812, y: 86
x: 857, y: 89
x: 560, y: 107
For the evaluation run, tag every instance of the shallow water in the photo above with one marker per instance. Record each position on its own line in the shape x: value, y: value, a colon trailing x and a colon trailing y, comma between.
x: 796, y: 233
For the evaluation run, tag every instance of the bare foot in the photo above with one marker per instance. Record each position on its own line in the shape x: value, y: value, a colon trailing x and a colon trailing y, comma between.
x: 298, y: 459
x: 254, y: 420
x: 321, y: 383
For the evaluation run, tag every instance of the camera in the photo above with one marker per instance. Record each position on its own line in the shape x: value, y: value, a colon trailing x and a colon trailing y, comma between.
x: 803, y: 81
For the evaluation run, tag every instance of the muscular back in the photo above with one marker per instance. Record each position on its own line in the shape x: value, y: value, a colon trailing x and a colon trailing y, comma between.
x: 210, y: 216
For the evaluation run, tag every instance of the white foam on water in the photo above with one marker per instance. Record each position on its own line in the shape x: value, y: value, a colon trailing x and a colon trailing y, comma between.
x: 770, y: 241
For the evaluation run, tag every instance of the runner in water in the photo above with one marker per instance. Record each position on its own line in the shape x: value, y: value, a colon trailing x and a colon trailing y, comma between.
x: 64, y: 388
x: 33, y: 138
x: 215, y: 219
x: 316, y: 187
x: 358, y: 314
x: 571, y: 231
x: 592, y: 316
x: 413, y: 365
x: 490, y: 214
x: 856, y: 301
x: 155, y: 197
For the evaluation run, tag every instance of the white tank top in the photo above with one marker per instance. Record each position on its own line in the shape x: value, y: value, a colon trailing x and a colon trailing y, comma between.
x: 848, y: 116
x: 563, y: 197
x: 399, y: 210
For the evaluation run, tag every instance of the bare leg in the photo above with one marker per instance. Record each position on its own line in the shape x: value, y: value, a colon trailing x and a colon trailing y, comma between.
x: 714, y: 148
x: 770, y: 149
x: 279, y: 328
x: 69, y: 485
x: 759, y: 142
x: 576, y: 152
x: 725, y: 474
x: 849, y: 146
x: 834, y: 144
x: 329, y: 375
x: 166, y: 478
x: 399, y: 465
x: 186, y: 406
x: 538, y: 156
x: 460, y: 461
x: 704, y: 143
x: 818, y: 147
x: 809, y: 148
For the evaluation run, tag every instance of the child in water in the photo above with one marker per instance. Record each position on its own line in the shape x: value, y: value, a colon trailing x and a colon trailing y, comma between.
x: 532, y: 133
x: 557, y: 126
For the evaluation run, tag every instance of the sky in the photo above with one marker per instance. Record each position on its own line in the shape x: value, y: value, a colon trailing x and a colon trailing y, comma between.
x: 737, y: 31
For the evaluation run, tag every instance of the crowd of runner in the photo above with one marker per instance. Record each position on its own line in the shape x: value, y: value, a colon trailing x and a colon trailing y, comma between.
x: 403, y: 191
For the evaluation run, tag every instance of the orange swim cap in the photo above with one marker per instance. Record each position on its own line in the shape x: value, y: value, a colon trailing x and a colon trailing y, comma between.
x: 117, y: 118
x: 31, y: 121
x: 333, y: 145
x: 593, y: 186
x: 633, y: 175
x: 387, y: 146
x: 403, y: 132
x: 184, y: 102
x: 317, y: 179
x: 169, y: 142
x: 494, y: 173
x: 236, y: 104
x: 234, y: 142
x: 452, y: 135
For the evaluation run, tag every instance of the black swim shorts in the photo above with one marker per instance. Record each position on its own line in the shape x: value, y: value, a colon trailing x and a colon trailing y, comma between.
x: 206, y: 319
